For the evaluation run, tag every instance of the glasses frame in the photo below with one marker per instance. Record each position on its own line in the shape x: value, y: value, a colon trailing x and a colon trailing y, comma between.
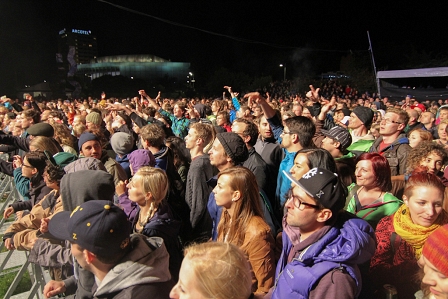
x: 301, y: 206
x: 388, y: 121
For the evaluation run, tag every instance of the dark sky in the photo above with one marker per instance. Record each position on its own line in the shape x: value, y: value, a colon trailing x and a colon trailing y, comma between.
x: 281, y: 31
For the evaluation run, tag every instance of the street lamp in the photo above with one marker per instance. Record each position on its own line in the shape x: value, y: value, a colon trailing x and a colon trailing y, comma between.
x: 192, y: 79
x: 284, y: 71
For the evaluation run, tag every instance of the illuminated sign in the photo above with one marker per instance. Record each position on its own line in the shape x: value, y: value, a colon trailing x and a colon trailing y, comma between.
x: 84, y: 32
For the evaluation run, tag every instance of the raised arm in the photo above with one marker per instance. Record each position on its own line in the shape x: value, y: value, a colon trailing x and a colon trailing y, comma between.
x: 268, y: 111
x: 235, y: 102
x: 151, y: 101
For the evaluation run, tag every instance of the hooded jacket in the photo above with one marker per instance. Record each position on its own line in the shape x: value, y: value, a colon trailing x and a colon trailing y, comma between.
x: 141, y: 273
x: 396, y: 153
x: 347, y: 243
x: 163, y: 225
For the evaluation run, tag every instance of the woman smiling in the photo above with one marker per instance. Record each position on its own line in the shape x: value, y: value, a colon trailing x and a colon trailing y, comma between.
x: 402, y: 235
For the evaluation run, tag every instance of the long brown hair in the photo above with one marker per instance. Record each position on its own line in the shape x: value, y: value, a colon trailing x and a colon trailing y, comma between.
x: 248, y: 206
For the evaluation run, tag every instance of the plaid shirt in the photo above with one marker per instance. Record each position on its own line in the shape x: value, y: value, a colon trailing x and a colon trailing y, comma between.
x: 179, y: 125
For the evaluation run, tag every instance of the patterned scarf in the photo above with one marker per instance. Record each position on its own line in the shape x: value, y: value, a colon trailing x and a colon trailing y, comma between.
x: 412, y: 233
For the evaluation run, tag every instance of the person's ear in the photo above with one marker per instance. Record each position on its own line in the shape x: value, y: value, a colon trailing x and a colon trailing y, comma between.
x: 336, y: 144
x: 324, y: 215
x: 295, y: 138
x: 236, y: 195
x: 405, y: 200
x: 89, y: 256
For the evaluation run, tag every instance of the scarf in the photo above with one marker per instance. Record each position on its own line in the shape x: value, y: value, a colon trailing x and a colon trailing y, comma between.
x: 414, y: 234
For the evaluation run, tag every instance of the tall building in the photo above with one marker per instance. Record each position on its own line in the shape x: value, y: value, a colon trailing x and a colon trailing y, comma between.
x: 83, y: 41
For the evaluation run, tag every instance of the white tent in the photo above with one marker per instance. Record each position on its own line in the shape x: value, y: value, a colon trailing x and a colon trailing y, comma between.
x: 422, y: 84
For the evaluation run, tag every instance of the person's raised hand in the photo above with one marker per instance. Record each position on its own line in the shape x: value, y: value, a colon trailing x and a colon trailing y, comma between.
x: 313, y: 93
x: 254, y: 97
x: 120, y: 188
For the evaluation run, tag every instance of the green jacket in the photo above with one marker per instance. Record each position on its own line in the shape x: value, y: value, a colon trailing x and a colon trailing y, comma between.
x: 361, y: 146
x: 373, y: 213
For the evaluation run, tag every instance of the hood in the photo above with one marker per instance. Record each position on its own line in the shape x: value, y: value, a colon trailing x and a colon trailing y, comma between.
x: 201, y: 109
x: 162, y: 158
x: 401, y: 139
x: 356, y: 242
x: 351, y: 240
x: 84, y: 164
x: 140, y: 158
x: 147, y: 262
x: 123, y: 159
x: 79, y: 187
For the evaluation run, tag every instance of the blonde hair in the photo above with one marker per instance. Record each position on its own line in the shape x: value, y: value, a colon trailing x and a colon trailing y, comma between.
x: 153, y: 180
x: 41, y: 143
x: 221, y: 270
x: 78, y: 129
x: 207, y: 133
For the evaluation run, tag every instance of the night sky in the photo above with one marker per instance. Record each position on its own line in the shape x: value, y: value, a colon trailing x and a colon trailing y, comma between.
x: 248, y: 36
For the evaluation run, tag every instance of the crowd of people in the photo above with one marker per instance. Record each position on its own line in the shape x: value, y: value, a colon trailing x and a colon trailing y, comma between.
x: 332, y: 194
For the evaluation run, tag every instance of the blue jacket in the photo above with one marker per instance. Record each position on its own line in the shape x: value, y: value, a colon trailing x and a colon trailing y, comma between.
x: 124, y: 162
x: 349, y: 242
x: 283, y: 183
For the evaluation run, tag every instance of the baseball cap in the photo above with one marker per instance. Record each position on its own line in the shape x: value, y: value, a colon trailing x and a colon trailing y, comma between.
x: 96, y: 225
x: 419, y: 106
x: 323, y: 186
x: 339, y: 134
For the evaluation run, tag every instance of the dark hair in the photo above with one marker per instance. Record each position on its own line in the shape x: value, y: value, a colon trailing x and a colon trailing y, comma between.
x: 304, y: 127
x: 33, y: 114
x: 319, y: 157
x: 181, y: 154
x: 37, y: 160
x: 54, y: 173
x: 250, y: 130
x: 381, y: 169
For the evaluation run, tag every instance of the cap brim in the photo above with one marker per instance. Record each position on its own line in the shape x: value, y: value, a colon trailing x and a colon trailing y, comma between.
x: 325, y: 133
x: 296, y: 182
x: 58, y: 226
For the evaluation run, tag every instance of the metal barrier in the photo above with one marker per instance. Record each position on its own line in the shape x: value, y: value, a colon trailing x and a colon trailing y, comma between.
x: 39, y: 276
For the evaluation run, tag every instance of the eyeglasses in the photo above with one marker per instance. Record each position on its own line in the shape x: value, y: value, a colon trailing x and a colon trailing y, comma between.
x: 27, y: 166
x: 389, y: 121
x: 298, y: 203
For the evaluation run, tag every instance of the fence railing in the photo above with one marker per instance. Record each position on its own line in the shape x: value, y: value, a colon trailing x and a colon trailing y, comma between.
x: 39, y: 277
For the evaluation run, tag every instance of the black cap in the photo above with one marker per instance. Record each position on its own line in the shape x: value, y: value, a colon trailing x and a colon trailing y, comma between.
x: 97, y: 225
x: 41, y: 129
x: 324, y: 186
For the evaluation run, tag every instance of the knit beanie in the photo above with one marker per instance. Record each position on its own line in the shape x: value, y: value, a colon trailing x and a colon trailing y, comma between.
x: 435, y: 249
x: 122, y: 143
x: 86, y: 136
x: 234, y: 146
x: 94, y: 118
x: 364, y: 114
